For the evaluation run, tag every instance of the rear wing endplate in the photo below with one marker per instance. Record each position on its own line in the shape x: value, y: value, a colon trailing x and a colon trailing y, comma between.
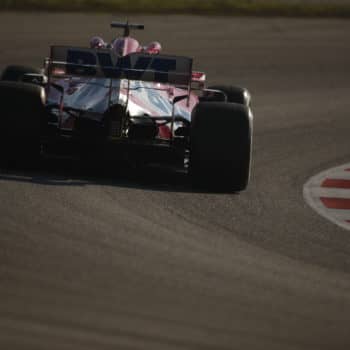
x: 104, y: 63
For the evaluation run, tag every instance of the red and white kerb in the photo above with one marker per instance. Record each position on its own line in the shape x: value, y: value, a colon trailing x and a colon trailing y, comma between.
x: 328, y: 193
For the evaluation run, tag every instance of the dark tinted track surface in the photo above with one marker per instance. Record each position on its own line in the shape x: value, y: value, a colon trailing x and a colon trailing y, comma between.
x: 113, y: 262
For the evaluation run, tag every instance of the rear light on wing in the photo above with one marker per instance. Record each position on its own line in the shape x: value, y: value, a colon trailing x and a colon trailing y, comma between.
x: 58, y: 71
x: 198, y: 76
x: 198, y: 80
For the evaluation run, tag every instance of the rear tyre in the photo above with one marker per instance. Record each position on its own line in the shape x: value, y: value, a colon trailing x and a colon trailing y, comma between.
x: 234, y: 94
x: 221, y: 146
x: 16, y: 73
x: 22, y: 116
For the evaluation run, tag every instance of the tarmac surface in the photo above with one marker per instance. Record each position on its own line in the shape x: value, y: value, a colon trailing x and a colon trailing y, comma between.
x: 112, y: 262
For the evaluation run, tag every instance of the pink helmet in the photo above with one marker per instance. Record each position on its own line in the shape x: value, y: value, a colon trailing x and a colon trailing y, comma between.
x: 153, y: 48
x: 97, y: 43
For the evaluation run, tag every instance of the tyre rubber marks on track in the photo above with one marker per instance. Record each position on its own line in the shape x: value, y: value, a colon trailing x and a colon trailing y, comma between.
x: 329, y: 194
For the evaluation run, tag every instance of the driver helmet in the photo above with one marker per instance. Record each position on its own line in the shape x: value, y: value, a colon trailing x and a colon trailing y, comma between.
x: 97, y: 43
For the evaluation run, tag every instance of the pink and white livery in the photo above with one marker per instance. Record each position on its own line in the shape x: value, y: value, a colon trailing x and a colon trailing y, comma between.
x: 124, y: 99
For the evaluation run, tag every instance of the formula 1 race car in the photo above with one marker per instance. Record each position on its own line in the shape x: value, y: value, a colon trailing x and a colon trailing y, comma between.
x: 123, y: 100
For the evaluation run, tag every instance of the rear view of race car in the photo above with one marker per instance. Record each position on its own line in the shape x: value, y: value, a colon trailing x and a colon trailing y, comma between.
x: 125, y: 100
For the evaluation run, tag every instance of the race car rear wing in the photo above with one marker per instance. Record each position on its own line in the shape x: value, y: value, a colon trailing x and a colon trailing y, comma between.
x: 103, y: 63
x: 127, y: 26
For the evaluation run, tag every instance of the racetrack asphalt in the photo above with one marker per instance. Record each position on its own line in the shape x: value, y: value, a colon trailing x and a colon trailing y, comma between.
x: 110, y: 262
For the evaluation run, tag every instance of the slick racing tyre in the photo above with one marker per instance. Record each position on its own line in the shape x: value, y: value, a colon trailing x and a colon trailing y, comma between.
x: 21, y: 115
x: 221, y: 146
x: 234, y: 94
x: 16, y: 73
